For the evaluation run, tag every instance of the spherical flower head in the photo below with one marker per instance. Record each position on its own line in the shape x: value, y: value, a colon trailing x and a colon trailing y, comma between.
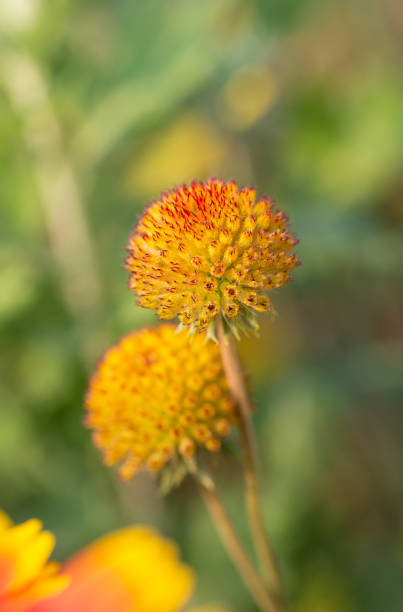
x: 131, y: 570
x: 210, y: 248
x: 157, y: 396
x: 26, y: 576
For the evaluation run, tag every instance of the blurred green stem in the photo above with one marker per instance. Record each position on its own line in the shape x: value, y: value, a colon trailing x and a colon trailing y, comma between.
x: 58, y: 187
x: 232, y: 543
x: 240, y: 394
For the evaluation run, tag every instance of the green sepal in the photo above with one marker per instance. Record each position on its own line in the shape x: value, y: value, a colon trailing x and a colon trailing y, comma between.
x: 211, y: 332
x: 180, y: 327
x: 172, y: 475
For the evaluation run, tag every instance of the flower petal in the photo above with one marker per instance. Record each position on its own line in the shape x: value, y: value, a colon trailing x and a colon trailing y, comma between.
x: 132, y: 570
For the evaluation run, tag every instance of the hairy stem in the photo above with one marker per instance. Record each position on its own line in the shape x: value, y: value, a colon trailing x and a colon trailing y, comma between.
x: 234, y: 546
x: 240, y: 394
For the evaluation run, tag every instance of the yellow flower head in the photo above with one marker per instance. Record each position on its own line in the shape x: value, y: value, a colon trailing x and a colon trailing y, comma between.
x: 155, y: 397
x: 25, y: 574
x: 210, y: 248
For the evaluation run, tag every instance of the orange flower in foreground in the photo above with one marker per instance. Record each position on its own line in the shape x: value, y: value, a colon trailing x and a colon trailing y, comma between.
x: 25, y: 574
x: 209, y: 248
x: 132, y: 570
x: 155, y: 397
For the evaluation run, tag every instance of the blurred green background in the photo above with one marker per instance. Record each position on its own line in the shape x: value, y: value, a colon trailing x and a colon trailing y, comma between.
x: 103, y: 105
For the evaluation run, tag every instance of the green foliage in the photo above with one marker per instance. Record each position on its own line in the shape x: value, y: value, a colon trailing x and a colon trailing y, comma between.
x: 102, y: 105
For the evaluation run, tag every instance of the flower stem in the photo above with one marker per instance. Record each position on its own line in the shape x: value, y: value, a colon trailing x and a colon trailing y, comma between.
x: 240, y: 394
x: 234, y: 546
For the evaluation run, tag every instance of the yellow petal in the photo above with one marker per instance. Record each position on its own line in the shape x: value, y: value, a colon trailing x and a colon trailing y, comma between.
x: 5, y: 521
x: 29, y: 564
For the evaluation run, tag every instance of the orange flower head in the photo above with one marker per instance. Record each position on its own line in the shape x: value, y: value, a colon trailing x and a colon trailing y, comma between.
x: 26, y: 577
x: 210, y: 248
x: 157, y: 396
x: 131, y: 570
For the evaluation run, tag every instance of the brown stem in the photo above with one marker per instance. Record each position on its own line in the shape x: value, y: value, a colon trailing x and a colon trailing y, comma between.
x: 240, y: 394
x: 234, y: 546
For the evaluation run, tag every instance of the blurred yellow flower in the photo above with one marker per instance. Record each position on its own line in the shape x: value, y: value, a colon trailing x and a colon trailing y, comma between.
x: 25, y: 574
x: 326, y: 592
x: 131, y: 570
x: 199, y: 149
x: 155, y: 397
x: 247, y: 96
x: 208, y: 249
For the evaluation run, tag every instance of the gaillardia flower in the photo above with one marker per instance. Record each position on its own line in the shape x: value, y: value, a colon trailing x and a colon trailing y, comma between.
x: 26, y: 577
x: 155, y: 397
x: 131, y: 570
x: 210, y: 248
